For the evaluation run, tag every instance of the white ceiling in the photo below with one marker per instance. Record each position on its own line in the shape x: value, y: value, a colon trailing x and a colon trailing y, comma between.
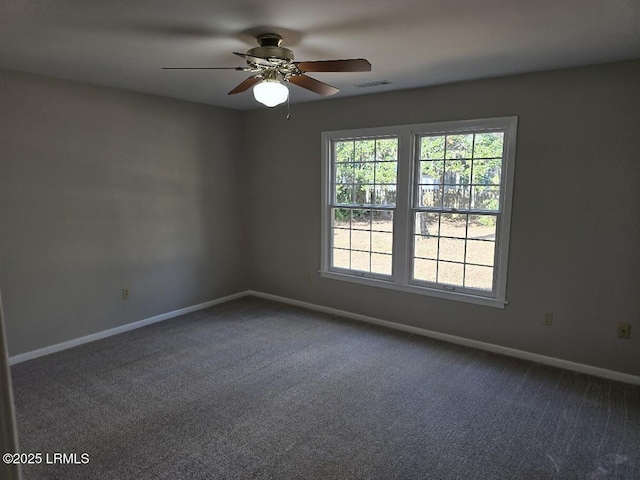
x: 411, y: 43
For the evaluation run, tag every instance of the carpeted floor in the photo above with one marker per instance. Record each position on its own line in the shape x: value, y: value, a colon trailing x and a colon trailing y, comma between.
x: 256, y: 389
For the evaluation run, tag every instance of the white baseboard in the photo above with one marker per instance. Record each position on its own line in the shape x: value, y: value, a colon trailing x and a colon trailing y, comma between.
x: 23, y: 357
x: 490, y: 347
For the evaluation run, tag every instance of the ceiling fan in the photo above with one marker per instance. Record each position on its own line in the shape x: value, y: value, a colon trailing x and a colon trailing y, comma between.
x: 270, y: 64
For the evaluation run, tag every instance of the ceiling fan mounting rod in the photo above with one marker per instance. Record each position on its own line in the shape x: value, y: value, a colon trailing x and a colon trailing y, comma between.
x: 269, y: 40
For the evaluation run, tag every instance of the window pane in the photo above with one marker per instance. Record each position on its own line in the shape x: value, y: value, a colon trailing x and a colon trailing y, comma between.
x: 344, y: 173
x: 427, y: 224
x: 457, y: 171
x: 386, y: 172
x: 361, y: 219
x: 425, y: 247
x: 344, y: 194
x: 459, y: 146
x: 424, y: 270
x: 431, y: 172
x: 482, y: 227
x: 382, y: 220
x: 340, y: 258
x: 432, y: 147
x: 362, y: 194
x: 487, y: 172
x: 488, y: 145
x: 431, y: 196
x: 381, y: 242
x: 453, y: 225
x: 478, y: 277
x: 456, y: 196
x: 480, y: 252
x: 344, y: 151
x: 341, y: 238
x: 360, y: 261
x: 341, y: 217
x: 451, y: 249
x: 363, y: 172
x: 387, y: 149
x: 486, y: 198
x: 381, y: 264
x: 365, y: 150
x: 360, y: 240
x: 384, y: 195
x: 450, y: 273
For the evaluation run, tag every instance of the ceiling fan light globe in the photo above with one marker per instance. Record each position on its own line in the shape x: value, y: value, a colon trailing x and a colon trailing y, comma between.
x: 270, y: 93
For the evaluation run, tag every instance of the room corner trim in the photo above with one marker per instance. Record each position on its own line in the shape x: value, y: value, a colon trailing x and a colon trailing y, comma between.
x: 23, y: 357
x: 490, y: 347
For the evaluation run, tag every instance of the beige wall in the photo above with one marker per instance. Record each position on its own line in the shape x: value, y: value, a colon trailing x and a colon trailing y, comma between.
x: 102, y: 189
x: 575, y: 238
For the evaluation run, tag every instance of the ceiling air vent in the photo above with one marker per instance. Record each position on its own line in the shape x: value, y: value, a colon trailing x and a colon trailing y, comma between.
x: 373, y: 84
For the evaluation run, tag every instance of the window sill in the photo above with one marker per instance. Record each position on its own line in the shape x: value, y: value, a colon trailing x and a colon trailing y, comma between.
x: 431, y: 292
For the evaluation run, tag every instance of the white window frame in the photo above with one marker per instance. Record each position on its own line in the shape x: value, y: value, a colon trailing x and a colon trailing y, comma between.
x: 403, y: 237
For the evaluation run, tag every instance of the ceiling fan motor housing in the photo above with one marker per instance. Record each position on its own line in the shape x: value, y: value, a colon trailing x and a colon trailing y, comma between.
x: 270, y: 48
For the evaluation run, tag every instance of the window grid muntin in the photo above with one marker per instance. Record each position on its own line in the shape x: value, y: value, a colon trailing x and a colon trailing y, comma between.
x: 417, y: 208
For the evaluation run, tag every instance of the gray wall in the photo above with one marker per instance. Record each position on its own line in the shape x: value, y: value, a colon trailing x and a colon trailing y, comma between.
x: 101, y: 189
x: 8, y: 433
x: 575, y: 239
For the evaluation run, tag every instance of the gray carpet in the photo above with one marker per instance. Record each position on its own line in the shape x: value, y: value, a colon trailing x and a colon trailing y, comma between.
x: 256, y: 389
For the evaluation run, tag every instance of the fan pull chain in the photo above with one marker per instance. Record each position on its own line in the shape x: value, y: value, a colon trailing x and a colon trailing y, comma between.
x: 288, y: 109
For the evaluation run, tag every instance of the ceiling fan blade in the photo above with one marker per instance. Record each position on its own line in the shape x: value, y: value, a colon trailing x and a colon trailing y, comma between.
x: 351, y: 65
x: 203, y: 68
x: 245, y: 85
x: 312, y: 84
x: 256, y: 60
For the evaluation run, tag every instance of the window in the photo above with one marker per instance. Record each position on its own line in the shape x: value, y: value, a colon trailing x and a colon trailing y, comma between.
x: 421, y: 208
x: 364, y: 198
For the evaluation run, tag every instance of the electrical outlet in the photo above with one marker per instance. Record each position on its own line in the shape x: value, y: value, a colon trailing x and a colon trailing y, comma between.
x: 125, y: 293
x: 547, y: 319
x: 624, y: 330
